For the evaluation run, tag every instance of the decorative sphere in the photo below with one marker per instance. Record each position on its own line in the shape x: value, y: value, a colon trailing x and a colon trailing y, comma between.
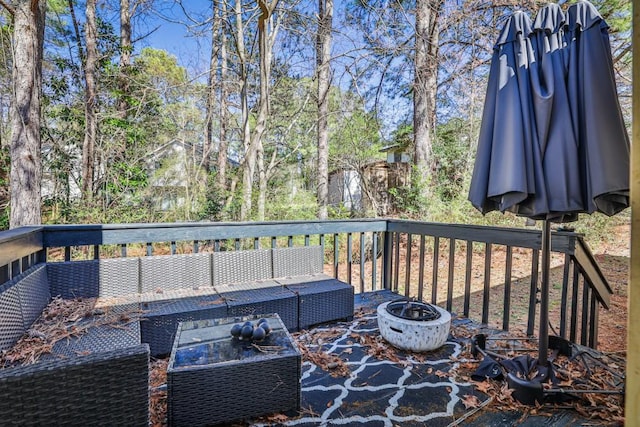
x: 259, y: 334
x: 236, y: 329
x: 265, y: 325
x: 261, y: 321
x: 246, y: 332
x: 247, y: 323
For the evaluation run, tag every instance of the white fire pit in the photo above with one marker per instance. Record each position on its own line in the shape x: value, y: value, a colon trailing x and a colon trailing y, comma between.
x: 413, y: 325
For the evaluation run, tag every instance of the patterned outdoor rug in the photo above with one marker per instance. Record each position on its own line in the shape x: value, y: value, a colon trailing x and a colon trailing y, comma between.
x: 351, y: 376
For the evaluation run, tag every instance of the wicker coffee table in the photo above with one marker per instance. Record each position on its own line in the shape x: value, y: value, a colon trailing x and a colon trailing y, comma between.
x: 214, y: 378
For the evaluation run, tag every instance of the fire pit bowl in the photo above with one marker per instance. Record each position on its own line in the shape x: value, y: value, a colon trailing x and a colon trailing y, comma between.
x: 413, y: 325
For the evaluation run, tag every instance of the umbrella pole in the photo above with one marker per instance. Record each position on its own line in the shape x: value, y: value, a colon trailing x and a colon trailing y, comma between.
x: 543, y: 346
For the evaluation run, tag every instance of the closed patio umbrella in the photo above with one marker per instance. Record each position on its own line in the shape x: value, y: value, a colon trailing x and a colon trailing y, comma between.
x: 552, y: 108
x: 596, y: 115
x: 552, y: 142
x: 504, y: 175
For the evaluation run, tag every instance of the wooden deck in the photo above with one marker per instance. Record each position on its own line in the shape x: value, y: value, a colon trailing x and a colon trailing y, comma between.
x: 351, y: 377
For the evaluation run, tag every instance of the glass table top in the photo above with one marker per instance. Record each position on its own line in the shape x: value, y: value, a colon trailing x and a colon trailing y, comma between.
x: 208, y: 342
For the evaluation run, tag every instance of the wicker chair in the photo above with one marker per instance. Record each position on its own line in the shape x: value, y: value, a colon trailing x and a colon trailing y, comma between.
x: 100, y: 377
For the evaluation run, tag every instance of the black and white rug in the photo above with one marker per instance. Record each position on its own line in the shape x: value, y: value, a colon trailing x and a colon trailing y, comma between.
x: 352, y: 377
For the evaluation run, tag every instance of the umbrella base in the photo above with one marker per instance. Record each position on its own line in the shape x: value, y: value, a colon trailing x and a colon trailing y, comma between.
x: 526, y: 375
x: 525, y: 391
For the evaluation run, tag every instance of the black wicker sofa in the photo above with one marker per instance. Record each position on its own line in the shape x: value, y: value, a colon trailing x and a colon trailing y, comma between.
x: 101, y: 377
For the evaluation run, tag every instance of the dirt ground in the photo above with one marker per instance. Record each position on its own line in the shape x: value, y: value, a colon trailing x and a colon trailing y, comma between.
x: 613, y: 259
x: 614, y: 262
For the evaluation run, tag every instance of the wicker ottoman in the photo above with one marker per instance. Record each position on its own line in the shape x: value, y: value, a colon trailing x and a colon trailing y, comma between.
x: 321, y: 299
x: 213, y: 378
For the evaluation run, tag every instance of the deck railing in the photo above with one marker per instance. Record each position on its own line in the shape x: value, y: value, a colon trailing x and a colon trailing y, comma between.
x: 488, y: 274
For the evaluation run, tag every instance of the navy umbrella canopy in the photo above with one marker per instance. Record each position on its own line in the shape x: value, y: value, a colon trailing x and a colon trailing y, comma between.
x: 596, y: 115
x: 552, y: 142
x: 557, y: 139
x: 503, y: 175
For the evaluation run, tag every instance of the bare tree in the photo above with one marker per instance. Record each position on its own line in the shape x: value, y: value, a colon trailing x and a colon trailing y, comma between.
x: 26, y: 158
x: 267, y: 33
x: 223, y: 143
x: 126, y: 47
x: 91, y: 119
x: 323, y: 56
x: 213, y: 86
x: 425, y: 84
x: 249, y: 152
x: 252, y: 138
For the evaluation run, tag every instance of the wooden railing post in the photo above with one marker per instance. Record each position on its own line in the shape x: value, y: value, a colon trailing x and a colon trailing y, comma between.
x: 386, y: 260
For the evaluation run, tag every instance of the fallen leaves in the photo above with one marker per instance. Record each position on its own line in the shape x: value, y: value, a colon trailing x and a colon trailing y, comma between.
x: 63, y: 319
x: 277, y: 418
x: 586, y: 370
x: 377, y: 347
x: 327, y: 361
x: 158, y: 394
x: 485, y: 387
x: 470, y: 401
x: 441, y: 374
x: 318, y: 337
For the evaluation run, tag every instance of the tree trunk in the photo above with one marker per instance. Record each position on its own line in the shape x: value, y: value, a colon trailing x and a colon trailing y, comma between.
x: 223, y: 143
x: 266, y: 35
x: 26, y: 159
x: 126, y: 48
x: 262, y: 185
x: 323, y: 57
x: 76, y: 30
x: 211, y: 93
x: 91, y: 120
x: 425, y: 83
x: 249, y: 159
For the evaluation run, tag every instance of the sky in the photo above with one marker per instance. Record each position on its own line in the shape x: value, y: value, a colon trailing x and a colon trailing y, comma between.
x: 169, y: 29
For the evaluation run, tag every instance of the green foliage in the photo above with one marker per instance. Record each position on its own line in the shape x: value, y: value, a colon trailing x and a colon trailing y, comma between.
x: 411, y: 199
x: 213, y: 205
x: 96, y: 212
x: 451, y: 159
x: 162, y: 68
x: 355, y: 135
x: 108, y: 42
x: 339, y: 212
x: 403, y: 135
x: 282, y: 205
x: 617, y: 13
x: 5, y: 170
x: 126, y: 178
x: 4, y: 218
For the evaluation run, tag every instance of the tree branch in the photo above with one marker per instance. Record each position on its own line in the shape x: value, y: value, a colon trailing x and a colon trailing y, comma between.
x: 8, y: 7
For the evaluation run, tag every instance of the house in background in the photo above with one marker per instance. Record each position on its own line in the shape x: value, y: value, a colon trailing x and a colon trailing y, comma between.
x: 397, y: 154
x: 345, y: 188
x: 173, y: 167
x: 367, y: 190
